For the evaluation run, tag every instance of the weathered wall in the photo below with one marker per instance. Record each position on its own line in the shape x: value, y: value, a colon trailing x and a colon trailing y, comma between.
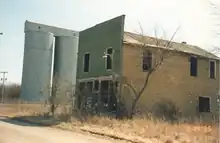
x: 95, y: 40
x: 172, y: 81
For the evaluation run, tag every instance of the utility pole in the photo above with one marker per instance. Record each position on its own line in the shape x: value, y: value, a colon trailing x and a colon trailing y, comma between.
x: 3, y: 80
x: 3, y: 85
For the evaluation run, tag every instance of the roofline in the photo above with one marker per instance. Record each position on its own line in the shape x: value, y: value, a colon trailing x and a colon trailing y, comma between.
x: 161, y: 47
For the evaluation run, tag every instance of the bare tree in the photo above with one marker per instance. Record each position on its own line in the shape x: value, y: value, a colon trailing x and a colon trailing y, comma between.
x: 163, y: 51
x: 215, y: 14
x: 61, y: 95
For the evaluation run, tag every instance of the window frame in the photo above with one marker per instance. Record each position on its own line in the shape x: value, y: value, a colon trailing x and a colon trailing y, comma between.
x: 214, y: 69
x: 210, y: 102
x: 83, y: 67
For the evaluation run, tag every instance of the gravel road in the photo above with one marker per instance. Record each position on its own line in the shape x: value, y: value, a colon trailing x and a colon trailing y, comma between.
x: 19, y: 132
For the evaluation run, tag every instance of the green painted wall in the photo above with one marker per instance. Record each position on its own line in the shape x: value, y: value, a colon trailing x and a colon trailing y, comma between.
x: 95, y: 40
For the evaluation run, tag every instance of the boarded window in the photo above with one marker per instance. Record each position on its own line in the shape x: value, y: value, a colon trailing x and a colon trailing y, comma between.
x: 212, y: 69
x: 86, y: 62
x: 193, y: 66
x: 109, y: 59
x: 204, y: 104
x: 147, y: 61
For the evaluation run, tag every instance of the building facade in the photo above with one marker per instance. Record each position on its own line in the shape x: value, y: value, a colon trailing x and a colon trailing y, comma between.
x: 188, y: 76
x: 109, y: 58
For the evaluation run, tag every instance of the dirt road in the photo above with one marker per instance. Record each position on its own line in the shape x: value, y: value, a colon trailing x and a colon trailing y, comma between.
x: 19, y: 132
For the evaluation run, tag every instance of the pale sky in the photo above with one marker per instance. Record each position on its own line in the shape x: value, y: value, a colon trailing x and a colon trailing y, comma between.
x: 197, y: 25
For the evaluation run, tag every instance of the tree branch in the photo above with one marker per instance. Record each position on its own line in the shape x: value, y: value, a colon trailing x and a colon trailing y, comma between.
x: 132, y: 88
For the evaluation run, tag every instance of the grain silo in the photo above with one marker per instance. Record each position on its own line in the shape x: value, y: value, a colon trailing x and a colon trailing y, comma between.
x: 37, y: 60
x: 65, y: 64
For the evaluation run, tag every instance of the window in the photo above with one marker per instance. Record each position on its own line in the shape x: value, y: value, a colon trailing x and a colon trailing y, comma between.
x: 193, y: 66
x: 109, y: 51
x: 147, y: 61
x: 109, y: 58
x: 86, y: 62
x: 204, y: 104
x: 81, y: 86
x: 212, y: 69
x: 96, y: 85
x: 89, y: 86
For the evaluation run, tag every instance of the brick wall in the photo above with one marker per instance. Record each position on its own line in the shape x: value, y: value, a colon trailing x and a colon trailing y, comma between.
x: 171, y: 81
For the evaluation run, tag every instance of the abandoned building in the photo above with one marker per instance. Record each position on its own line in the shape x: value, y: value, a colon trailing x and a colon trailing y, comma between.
x: 109, y: 58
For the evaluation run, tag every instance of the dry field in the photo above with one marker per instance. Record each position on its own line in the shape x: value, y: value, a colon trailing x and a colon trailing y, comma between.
x: 138, y: 129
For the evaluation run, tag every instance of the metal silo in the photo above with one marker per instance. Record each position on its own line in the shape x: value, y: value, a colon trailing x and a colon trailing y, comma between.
x: 36, y: 74
x: 65, y: 64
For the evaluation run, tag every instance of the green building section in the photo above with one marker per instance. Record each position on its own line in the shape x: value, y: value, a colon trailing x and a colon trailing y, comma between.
x: 95, y: 41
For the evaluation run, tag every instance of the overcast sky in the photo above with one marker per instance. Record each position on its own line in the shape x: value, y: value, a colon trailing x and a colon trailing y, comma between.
x: 197, y: 25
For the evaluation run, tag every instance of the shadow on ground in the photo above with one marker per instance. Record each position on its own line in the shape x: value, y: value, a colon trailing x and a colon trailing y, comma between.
x: 31, y: 121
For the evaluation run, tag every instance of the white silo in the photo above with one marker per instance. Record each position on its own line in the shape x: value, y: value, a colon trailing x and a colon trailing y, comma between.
x: 36, y: 74
x: 65, y: 64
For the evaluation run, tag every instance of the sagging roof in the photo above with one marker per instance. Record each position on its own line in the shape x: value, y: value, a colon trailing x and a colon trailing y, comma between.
x: 161, y: 43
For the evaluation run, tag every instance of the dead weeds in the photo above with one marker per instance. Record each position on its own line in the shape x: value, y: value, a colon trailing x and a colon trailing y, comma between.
x: 147, y: 128
x: 135, y: 129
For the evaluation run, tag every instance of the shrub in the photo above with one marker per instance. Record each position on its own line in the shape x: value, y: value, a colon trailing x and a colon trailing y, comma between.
x: 166, y: 110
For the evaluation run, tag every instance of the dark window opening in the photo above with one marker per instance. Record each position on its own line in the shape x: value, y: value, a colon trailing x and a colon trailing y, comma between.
x: 96, y: 85
x: 109, y: 51
x: 147, y: 61
x: 204, y: 104
x: 113, y: 99
x: 81, y: 86
x: 109, y: 62
x: 89, y: 86
x: 109, y: 59
x: 86, y: 62
x: 193, y: 66
x: 212, y: 69
x: 104, y: 93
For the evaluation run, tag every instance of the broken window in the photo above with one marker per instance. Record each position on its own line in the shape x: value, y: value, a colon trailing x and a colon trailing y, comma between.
x: 193, y: 66
x: 109, y: 59
x: 86, y: 62
x: 204, y: 104
x: 212, y: 69
x: 147, y: 61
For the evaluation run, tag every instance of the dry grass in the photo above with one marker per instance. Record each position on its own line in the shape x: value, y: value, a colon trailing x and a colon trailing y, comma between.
x: 149, y: 128
x: 143, y: 129
x: 19, y: 109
